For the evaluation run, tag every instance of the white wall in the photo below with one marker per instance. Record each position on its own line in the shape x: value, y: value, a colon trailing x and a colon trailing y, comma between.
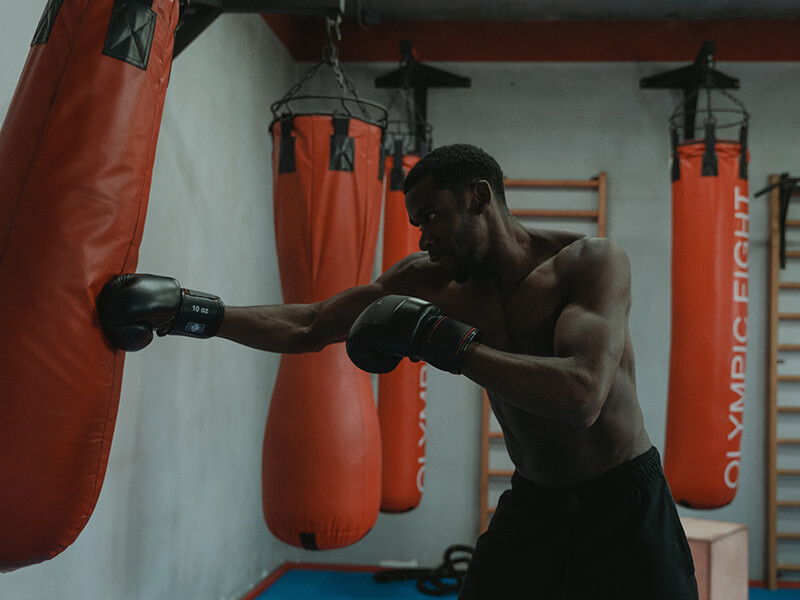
x: 180, y: 512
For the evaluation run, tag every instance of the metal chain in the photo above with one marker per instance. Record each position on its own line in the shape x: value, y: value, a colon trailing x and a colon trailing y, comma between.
x: 737, y: 102
x: 330, y: 57
x: 342, y: 80
x: 296, y: 87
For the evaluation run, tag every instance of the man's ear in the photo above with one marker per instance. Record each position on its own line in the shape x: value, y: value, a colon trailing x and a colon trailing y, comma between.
x: 482, y: 195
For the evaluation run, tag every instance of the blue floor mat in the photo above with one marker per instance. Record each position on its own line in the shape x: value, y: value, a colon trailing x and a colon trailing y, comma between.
x: 313, y: 584
x: 307, y: 584
x: 759, y: 594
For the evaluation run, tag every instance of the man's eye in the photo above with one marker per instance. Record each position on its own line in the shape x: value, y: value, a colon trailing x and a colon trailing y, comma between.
x: 430, y: 217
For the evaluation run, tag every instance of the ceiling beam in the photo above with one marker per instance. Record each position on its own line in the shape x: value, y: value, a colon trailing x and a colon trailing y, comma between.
x: 546, y: 41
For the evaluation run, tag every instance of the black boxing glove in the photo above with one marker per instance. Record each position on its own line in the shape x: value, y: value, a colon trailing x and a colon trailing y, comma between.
x: 132, y: 305
x: 398, y: 326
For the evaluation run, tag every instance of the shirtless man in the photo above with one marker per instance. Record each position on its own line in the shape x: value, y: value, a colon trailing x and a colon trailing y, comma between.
x: 540, y: 320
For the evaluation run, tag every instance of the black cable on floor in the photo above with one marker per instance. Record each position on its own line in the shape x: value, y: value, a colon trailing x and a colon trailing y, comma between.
x: 445, y: 578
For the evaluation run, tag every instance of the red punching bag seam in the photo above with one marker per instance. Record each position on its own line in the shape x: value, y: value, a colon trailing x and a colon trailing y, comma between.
x: 144, y: 192
x: 309, y: 201
x: 369, y: 241
x: 362, y: 178
x: 42, y: 130
x: 102, y: 453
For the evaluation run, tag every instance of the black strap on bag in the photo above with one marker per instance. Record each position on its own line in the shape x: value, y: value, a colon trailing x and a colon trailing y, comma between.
x: 710, y: 168
x: 676, y: 161
x: 396, y: 175
x: 343, y: 147
x: 46, y: 22
x: 286, y: 156
x: 131, y: 31
x: 743, y: 155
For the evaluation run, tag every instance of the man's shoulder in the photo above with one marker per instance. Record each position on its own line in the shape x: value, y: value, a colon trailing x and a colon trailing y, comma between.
x: 591, y: 252
x: 414, y: 263
x: 588, y: 262
x: 414, y: 274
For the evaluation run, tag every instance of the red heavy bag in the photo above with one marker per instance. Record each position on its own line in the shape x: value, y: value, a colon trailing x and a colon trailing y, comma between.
x: 402, y: 392
x: 321, y: 468
x: 76, y: 154
x: 709, y: 321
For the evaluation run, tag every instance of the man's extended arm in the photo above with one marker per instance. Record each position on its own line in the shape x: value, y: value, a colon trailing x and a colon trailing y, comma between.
x: 132, y: 306
x: 297, y: 328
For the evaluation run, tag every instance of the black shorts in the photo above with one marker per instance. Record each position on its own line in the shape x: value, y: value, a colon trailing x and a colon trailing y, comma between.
x: 614, y: 537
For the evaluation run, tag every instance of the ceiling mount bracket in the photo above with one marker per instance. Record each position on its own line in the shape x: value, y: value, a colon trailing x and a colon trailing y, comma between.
x: 690, y: 79
x: 414, y: 77
x: 197, y: 15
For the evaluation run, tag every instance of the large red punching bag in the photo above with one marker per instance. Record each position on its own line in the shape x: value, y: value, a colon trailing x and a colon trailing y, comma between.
x: 709, y: 320
x: 401, y: 392
x: 76, y: 154
x: 321, y: 467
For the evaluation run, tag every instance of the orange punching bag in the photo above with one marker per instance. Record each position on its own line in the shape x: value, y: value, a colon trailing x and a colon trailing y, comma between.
x: 401, y: 392
x: 76, y: 155
x: 709, y: 320
x: 321, y: 467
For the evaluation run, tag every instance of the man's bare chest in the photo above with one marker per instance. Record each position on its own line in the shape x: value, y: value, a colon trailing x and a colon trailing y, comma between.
x: 523, y: 321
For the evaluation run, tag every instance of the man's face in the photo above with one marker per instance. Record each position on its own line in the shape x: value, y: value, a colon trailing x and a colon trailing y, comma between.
x: 448, y: 233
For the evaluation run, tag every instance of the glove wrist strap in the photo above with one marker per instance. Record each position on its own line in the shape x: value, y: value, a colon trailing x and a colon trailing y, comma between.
x: 199, y: 316
x: 443, y: 346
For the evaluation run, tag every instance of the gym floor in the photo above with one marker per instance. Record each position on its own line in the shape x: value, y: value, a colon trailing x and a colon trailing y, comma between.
x: 319, y: 584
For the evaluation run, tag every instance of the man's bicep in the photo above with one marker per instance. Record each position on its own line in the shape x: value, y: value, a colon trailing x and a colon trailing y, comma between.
x: 593, y: 326
x: 589, y: 335
x: 334, y: 316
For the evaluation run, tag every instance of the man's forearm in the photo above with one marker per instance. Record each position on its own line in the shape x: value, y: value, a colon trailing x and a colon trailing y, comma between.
x: 550, y: 387
x: 287, y: 328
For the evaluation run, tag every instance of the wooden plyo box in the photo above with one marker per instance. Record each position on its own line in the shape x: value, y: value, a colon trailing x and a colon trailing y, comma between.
x: 719, y: 551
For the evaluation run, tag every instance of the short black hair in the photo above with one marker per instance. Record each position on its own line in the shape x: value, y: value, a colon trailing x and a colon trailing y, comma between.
x: 455, y: 168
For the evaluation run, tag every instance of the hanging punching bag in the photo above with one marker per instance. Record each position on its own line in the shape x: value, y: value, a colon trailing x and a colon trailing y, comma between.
x: 321, y: 467
x: 76, y: 154
x: 401, y: 392
x: 709, y: 320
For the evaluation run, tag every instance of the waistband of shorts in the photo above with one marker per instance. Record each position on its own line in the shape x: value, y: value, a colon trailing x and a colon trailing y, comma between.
x: 633, y: 474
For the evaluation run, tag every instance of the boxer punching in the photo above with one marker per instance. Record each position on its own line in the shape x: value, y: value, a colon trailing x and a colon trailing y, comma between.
x: 539, y: 319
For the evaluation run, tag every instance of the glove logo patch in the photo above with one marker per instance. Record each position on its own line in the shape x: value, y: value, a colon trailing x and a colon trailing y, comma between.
x: 194, y: 328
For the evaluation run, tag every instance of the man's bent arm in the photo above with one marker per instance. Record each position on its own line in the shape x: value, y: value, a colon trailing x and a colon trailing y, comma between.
x: 590, y: 336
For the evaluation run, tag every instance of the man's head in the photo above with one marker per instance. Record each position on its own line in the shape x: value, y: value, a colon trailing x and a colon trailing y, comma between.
x: 447, y: 195
x: 456, y: 168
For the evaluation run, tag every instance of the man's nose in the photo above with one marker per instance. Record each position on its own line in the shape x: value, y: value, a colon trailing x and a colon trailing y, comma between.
x: 425, y: 240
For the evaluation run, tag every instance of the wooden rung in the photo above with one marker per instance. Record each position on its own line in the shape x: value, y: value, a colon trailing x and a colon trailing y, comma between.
x: 789, y: 285
x: 788, y: 441
x: 555, y: 214
x: 500, y: 473
x: 552, y: 183
x: 788, y: 377
x: 787, y: 504
x: 495, y: 435
x: 793, y: 254
x: 788, y: 472
x: 787, y: 567
x: 792, y: 223
x: 788, y: 536
x: 788, y: 347
x: 789, y: 409
x: 789, y: 316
